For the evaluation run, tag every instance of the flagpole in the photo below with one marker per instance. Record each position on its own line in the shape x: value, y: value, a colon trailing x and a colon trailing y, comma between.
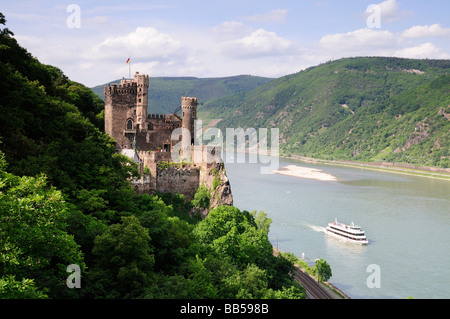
x: 129, y: 67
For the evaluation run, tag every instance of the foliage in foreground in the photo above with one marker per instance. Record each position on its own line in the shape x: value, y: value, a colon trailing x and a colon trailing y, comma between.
x: 149, y: 254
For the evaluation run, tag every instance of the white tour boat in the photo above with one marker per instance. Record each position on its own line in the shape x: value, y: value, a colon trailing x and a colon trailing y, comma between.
x: 350, y: 233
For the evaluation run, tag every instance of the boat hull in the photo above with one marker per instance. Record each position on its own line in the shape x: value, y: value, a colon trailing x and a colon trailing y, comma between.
x: 346, y: 239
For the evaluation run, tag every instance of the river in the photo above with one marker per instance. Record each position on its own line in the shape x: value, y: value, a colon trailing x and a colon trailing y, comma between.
x: 406, y: 220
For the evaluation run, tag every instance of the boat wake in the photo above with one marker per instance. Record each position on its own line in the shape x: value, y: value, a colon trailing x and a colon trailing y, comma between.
x: 315, y: 227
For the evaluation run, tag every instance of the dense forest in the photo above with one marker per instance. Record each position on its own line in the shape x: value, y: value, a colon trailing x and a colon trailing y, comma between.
x: 371, y: 109
x: 65, y: 199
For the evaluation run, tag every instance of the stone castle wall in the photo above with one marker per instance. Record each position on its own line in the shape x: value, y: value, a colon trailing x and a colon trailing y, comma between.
x: 186, y: 180
x: 178, y: 180
x: 168, y: 177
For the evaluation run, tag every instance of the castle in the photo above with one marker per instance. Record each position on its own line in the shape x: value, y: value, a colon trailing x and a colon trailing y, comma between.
x: 127, y: 119
x: 148, y: 140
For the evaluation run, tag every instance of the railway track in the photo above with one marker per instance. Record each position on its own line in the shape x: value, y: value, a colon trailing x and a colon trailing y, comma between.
x: 313, y: 289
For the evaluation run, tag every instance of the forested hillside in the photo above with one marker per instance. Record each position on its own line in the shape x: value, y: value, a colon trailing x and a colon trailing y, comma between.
x: 165, y: 92
x: 360, y: 109
x: 65, y: 199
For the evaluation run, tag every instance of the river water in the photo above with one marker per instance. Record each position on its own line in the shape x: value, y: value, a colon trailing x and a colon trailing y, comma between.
x: 406, y: 220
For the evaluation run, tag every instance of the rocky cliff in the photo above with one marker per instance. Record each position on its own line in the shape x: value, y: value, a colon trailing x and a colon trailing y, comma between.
x: 215, y: 178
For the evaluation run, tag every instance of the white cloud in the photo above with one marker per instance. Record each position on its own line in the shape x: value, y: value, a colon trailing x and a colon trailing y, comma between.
x: 231, y: 28
x: 277, y: 15
x: 259, y: 43
x: 142, y: 44
x: 422, y: 31
x: 425, y: 50
x: 358, y: 41
x: 377, y: 42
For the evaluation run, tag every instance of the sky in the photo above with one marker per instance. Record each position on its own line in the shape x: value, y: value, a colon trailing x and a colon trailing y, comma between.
x: 90, y: 41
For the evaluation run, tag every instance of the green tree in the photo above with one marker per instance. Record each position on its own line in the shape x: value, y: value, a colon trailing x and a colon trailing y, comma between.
x: 85, y: 228
x: 25, y: 289
x: 233, y: 235
x: 171, y: 236
x: 262, y: 221
x: 250, y: 283
x: 229, y: 231
x: 202, y: 197
x: 323, y: 270
x: 35, y: 248
x: 201, y: 279
x: 123, y: 261
x: 295, y: 291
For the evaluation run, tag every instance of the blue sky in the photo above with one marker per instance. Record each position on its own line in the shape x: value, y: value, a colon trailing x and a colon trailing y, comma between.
x: 222, y: 38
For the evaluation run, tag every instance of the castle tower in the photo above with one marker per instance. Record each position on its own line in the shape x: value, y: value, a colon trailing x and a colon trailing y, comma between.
x: 126, y: 109
x: 189, y: 109
x: 141, y: 100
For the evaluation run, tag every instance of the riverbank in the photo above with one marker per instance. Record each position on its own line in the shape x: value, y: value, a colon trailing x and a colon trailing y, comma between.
x: 405, y: 169
x: 422, y: 171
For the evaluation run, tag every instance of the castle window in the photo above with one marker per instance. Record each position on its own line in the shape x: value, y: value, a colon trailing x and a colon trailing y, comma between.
x: 140, y: 100
x: 129, y: 125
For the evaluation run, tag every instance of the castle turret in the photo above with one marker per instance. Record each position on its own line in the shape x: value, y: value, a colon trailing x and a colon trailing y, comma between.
x: 189, y: 109
x: 141, y: 100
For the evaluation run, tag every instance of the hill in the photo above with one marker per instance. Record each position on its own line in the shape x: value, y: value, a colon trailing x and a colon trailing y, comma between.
x: 359, y: 109
x: 165, y: 92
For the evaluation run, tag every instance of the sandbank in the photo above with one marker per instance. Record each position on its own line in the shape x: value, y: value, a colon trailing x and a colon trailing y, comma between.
x: 305, y: 172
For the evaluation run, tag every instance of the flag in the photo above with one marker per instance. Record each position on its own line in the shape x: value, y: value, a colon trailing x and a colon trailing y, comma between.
x: 128, y: 60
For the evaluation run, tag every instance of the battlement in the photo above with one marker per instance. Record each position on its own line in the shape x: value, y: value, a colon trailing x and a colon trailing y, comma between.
x: 138, y: 77
x: 188, y: 102
x: 157, y: 116
x: 127, y: 87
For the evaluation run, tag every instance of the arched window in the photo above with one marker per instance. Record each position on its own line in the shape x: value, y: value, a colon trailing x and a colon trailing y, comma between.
x: 129, y: 124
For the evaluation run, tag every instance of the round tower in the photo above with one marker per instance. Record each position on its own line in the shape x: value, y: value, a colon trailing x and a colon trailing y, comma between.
x: 189, y: 109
